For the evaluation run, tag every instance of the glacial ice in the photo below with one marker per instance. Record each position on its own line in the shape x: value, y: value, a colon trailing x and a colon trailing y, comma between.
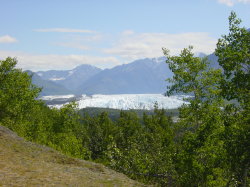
x: 51, y: 97
x: 131, y: 101
x: 124, y: 101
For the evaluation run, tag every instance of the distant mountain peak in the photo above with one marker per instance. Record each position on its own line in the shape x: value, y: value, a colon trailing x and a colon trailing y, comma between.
x: 200, y: 54
x: 87, y: 66
x: 159, y: 59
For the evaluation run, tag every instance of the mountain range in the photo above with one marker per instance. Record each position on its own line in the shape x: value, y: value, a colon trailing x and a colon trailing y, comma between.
x: 138, y: 77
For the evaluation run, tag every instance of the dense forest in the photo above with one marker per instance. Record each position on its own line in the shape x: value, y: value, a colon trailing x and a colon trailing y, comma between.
x: 208, y: 145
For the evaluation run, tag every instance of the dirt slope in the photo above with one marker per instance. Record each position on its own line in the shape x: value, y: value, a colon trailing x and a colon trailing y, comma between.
x: 24, y: 163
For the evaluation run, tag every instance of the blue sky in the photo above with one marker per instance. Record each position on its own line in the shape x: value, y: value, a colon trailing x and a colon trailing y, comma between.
x: 61, y: 34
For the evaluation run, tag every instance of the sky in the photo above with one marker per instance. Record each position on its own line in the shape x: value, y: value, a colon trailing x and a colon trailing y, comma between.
x: 62, y: 34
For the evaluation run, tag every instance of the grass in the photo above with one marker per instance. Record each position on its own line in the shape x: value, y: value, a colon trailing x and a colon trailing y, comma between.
x: 24, y: 163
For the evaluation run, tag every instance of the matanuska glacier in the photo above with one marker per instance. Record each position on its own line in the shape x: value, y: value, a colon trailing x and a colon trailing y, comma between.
x: 124, y: 101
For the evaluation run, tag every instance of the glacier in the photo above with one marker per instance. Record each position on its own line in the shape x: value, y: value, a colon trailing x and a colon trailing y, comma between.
x: 52, y: 97
x: 127, y: 101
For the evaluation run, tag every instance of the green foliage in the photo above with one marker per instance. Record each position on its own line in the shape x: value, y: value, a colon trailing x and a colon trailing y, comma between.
x: 143, y: 150
x: 30, y: 118
x: 213, y: 141
x: 17, y: 96
x: 200, y: 149
x: 114, y: 114
x: 233, y: 51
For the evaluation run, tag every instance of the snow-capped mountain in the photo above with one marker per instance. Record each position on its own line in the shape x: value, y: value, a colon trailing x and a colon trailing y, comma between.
x: 48, y: 87
x: 70, y: 79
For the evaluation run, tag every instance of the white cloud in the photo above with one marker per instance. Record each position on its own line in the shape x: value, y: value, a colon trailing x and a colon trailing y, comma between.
x: 7, y: 39
x: 226, y: 2
x: 37, y: 62
x: 67, y: 30
x: 233, y: 2
x: 136, y: 46
x: 81, y: 42
x: 244, y: 1
x: 127, y: 46
x: 92, y: 38
x: 128, y: 32
x: 74, y: 45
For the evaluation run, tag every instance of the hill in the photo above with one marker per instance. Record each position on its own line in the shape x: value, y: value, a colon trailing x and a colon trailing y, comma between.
x: 24, y: 163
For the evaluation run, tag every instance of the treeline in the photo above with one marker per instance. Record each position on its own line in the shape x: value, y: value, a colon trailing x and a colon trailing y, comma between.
x: 208, y: 146
x: 114, y: 114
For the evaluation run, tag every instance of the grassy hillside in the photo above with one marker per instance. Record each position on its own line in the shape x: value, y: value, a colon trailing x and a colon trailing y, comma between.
x: 24, y: 163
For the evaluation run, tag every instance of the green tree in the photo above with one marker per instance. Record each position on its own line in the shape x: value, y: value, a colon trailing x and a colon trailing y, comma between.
x: 158, y: 145
x: 100, y: 133
x: 66, y: 131
x: 233, y: 51
x: 200, y: 157
x: 213, y: 140
x: 17, y: 95
x: 22, y: 112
